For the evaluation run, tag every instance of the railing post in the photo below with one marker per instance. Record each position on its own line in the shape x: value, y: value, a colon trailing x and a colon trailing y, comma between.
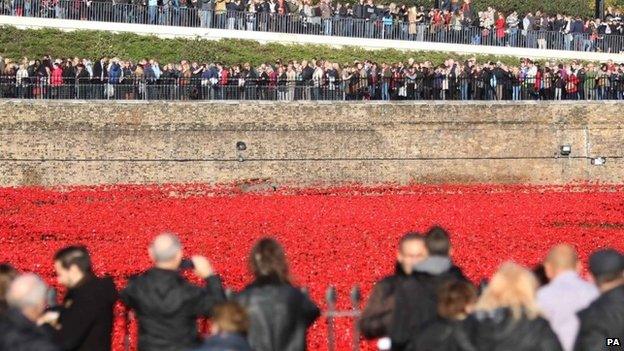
x: 356, y: 298
x: 330, y: 296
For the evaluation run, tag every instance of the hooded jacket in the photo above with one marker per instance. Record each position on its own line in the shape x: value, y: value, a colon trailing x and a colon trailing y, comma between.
x: 167, y: 307
x: 86, y: 317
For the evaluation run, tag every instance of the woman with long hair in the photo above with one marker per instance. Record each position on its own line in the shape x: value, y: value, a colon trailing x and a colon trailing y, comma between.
x: 507, y: 316
x: 279, y: 313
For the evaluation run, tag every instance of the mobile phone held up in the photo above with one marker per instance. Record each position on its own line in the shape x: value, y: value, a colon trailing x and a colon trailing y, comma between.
x: 186, y: 264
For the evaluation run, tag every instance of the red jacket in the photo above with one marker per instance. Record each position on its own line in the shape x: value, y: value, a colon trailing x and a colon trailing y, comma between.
x: 56, y: 77
x: 225, y: 76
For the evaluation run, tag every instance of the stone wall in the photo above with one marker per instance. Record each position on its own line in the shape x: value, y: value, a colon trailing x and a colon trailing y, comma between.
x: 55, y: 142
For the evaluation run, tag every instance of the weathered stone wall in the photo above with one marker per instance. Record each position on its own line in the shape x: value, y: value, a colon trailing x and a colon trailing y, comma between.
x: 55, y: 142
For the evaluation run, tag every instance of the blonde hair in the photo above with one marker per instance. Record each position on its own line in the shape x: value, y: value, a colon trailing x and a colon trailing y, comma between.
x: 513, y: 287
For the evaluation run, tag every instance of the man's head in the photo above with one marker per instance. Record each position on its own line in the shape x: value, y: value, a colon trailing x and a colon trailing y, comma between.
x: 229, y: 317
x: 438, y: 242
x: 607, y: 268
x: 166, y: 251
x: 561, y: 258
x: 27, y: 294
x: 71, y: 265
x: 411, y: 251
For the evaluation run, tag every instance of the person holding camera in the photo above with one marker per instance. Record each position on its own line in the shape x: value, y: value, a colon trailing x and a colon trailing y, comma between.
x: 167, y: 305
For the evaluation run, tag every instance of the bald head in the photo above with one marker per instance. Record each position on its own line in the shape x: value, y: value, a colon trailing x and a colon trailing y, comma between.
x: 165, y: 248
x: 28, y: 294
x: 561, y: 258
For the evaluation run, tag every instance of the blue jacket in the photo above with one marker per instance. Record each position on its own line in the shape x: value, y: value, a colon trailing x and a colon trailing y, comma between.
x: 225, y: 342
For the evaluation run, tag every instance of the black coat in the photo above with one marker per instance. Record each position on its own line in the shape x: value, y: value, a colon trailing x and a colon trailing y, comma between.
x: 225, y: 342
x: 499, y: 331
x: 167, y: 307
x: 418, y: 304
x: 86, y: 317
x: 279, y: 316
x: 602, y: 319
x: 376, y: 320
x: 442, y: 335
x: 19, y: 334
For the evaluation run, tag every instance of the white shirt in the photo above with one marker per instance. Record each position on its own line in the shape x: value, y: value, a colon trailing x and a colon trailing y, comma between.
x: 560, y: 300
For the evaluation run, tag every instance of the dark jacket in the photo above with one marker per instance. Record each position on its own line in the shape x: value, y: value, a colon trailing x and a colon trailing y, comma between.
x: 86, y: 317
x: 499, y: 331
x: 20, y: 334
x: 167, y: 307
x: 416, y: 300
x: 225, y: 342
x: 376, y: 320
x: 442, y: 335
x: 279, y: 316
x: 603, y: 319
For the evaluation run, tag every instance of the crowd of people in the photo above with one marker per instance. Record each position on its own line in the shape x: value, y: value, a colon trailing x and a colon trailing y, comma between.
x: 427, y: 305
x: 316, y: 79
x: 454, y: 21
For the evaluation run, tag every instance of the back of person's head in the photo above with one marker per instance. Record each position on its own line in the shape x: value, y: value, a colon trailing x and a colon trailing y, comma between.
x: 230, y: 317
x: 438, y: 242
x: 607, y: 267
x: 166, y: 250
x: 27, y: 294
x: 513, y: 287
x: 560, y: 258
x: 455, y: 299
x: 7, y: 275
x: 268, y: 261
x: 74, y: 256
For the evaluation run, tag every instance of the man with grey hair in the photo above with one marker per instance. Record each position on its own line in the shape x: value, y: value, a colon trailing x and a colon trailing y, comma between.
x: 167, y: 305
x: 27, y: 301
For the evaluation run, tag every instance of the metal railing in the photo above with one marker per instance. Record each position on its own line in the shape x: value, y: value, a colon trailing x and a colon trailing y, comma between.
x: 435, y: 87
x: 330, y: 314
x: 174, y: 14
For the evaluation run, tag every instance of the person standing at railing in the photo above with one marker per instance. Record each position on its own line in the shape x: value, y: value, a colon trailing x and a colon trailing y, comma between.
x: 152, y: 11
x: 326, y: 16
x: 167, y: 305
x: 279, y: 313
x: 377, y: 320
x: 206, y: 8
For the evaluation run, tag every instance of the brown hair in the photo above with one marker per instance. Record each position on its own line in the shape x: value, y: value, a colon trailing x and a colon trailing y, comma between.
x: 267, y: 261
x: 7, y: 274
x: 454, y: 297
x: 230, y: 317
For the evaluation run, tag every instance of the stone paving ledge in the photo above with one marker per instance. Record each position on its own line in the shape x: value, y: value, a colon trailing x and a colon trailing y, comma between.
x: 320, y: 102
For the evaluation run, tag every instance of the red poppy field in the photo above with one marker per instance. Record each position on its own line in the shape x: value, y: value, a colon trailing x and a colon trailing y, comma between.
x: 339, y: 236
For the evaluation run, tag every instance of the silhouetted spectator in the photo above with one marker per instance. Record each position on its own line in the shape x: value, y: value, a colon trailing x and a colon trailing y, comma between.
x: 27, y: 302
x: 7, y: 274
x: 279, y: 313
x: 85, y: 319
x: 166, y: 304
x: 565, y: 295
x: 416, y: 300
x: 507, y: 316
x: 456, y: 300
x: 230, y: 324
x: 604, y: 318
x: 376, y: 320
